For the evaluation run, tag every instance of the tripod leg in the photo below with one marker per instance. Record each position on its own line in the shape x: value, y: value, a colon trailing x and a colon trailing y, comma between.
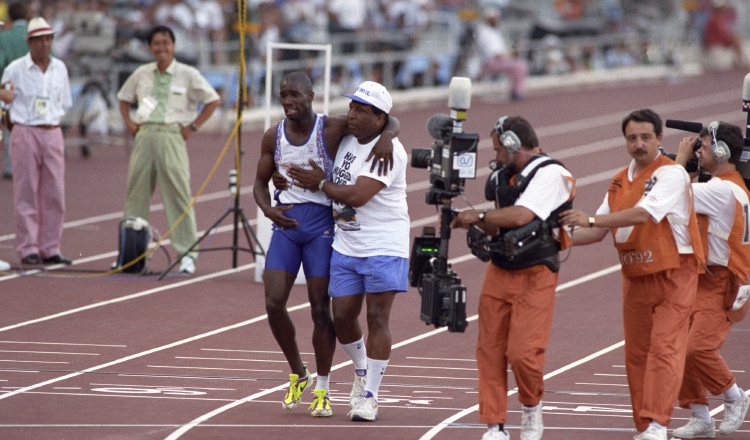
x: 205, y: 234
x: 249, y: 232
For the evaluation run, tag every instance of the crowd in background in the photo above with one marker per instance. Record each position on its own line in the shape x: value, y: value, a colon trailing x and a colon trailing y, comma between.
x: 400, y: 43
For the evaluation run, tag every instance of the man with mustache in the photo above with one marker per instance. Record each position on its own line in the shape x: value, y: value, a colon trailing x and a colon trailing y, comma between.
x: 649, y: 210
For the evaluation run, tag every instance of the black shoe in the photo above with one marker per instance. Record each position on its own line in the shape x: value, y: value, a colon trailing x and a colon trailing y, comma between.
x: 32, y: 259
x: 57, y: 259
x: 8, y: 175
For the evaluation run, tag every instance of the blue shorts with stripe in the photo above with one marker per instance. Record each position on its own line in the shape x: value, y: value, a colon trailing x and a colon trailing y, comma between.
x: 309, y: 244
x: 359, y: 275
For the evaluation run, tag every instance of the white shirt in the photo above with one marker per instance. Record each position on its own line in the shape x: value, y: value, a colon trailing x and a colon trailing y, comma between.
x: 547, y: 190
x: 41, y: 97
x: 715, y: 199
x: 380, y: 226
x: 491, y: 43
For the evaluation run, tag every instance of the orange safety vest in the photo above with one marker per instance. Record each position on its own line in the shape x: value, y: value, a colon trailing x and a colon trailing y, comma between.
x: 650, y: 247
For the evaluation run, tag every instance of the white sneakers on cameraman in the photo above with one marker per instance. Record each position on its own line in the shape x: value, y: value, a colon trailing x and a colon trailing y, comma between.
x: 734, y: 414
x: 187, y: 265
x: 4, y: 266
x: 531, y: 422
x: 696, y: 428
x: 496, y: 435
x: 653, y: 433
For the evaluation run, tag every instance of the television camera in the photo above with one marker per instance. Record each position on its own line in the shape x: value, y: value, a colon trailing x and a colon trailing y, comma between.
x: 451, y: 160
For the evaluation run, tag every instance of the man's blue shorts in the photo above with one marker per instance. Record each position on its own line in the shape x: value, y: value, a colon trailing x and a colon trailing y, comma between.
x: 308, y: 244
x: 354, y: 275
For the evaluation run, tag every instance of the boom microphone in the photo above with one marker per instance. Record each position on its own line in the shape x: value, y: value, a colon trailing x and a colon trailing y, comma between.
x: 439, y: 126
x: 459, y: 100
x: 693, y: 127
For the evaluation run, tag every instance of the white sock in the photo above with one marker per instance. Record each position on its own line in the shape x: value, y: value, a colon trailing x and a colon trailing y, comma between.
x: 733, y: 394
x: 493, y: 428
x: 375, y: 371
x: 700, y: 411
x: 323, y: 384
x: 357, y: 353
x: 655, y: 424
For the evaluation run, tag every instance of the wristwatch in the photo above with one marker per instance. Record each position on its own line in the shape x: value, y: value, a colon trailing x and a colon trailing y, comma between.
x: 481, y: 215
x: 193, y: 127
x: 591, y: 222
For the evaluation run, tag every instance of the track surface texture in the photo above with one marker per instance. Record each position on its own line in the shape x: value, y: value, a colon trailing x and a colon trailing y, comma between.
x: 90, y: 356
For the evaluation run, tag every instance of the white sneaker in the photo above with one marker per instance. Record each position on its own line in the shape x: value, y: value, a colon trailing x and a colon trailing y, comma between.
x: 696, y: 428
x: 734, y: 414
x: 496, y: 435
x: 187, y: 265
x: 531, y: 422
x: 4, y: 266
x: 653, y: 433
x: 366, y: 410
x: 357, y: 389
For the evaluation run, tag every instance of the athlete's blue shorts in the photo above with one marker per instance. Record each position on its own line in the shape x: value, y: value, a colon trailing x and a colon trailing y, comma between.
x: 308, y: 244
x: 355, y: 275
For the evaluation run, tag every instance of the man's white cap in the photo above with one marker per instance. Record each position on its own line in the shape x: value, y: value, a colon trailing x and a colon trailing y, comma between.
x: 374, y: 94
x: 38, y: 26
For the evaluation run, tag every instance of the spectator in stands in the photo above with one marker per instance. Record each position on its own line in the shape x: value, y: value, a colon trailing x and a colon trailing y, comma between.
x: 345, y: 19
x: 495, y: 54
x: 566, y: 18
x: 180, y: 18
x: 211, y: 27
x: 720, y: 36
x: 12, y: 46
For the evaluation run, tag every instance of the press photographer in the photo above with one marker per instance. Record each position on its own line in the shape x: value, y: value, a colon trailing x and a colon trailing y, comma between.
x: 517, y: 297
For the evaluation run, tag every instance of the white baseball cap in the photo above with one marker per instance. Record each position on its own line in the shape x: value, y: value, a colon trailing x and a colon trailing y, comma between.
x: 374, y: 94
x: 38, y: 26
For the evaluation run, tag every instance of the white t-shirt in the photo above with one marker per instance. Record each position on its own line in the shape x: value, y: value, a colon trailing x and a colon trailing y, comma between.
x: 715, y: 199
x: 547, y: 190
x: 380, y: 226
x: 669, y: 197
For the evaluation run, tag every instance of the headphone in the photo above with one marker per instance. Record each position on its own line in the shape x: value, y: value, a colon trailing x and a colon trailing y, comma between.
x: 720, y: 149
x: 508, y: 138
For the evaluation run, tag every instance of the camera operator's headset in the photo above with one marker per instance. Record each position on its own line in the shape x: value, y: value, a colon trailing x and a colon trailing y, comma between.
x: 720, y: 149
x: 508, y: 138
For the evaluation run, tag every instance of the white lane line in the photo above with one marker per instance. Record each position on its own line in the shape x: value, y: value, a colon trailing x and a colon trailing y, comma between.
x: 199, y: 420
x: 213, y: 368
x: 146, y: 352
x: 49, y: 352
x: 447, y: 422
x: 229, y: 359
x: 129, y: 297
x: 61, y: 343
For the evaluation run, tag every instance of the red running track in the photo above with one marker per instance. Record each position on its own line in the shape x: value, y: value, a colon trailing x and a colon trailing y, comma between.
x: 88, y: 356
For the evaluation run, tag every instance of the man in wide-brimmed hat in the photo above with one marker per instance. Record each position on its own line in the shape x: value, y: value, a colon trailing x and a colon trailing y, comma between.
x: 42, y: 95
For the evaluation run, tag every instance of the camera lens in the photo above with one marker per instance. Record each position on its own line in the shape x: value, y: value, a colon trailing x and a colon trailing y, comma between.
x: 421, y: 158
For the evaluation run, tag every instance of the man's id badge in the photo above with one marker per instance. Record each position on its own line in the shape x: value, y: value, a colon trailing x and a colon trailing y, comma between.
x: 41, y: 107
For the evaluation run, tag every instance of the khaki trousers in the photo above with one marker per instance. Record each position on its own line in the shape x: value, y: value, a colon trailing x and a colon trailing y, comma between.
x: 515, y: 316
x: 160, y: 156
